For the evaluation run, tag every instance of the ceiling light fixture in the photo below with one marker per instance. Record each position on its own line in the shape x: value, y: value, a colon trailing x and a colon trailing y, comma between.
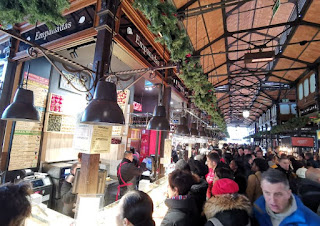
x: 246, y: 113
x: 104, y: 109
x: 182, y: 129
x: 259, y: 57
x: 22, y: 107
x: 159, y: 121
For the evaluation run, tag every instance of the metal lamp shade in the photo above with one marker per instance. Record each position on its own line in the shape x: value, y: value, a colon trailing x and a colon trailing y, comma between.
x: 194, y: 132
x: 182, y: 129
x: 159, y: 120
x: 201, y: 132
x: 22, y: 108
x: 104, y: 109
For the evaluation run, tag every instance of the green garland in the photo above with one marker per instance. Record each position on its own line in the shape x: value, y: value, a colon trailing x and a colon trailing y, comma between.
x: 163, y: 20
x: 46, y: 11
x: 290, y: 125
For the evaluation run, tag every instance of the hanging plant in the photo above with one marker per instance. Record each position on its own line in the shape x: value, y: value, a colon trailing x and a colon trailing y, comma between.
x: 291, y: 125
x: 46, y: 11
x: 163, y: 20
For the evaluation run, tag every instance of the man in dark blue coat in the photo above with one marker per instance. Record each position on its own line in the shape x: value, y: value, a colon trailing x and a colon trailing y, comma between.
x: 278, y: 206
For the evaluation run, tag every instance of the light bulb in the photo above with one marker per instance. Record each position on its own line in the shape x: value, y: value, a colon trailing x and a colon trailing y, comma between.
x: 245, y: 113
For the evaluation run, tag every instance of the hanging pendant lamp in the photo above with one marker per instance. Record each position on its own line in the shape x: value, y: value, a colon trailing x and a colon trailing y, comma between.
x: 159, y: 120
x: 193, y: 131
x: 22, y: 107
x: 182, y: 129
x: 104, y: 109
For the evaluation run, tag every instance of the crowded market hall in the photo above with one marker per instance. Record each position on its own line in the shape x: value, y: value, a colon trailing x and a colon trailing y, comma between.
x: 159, y: 112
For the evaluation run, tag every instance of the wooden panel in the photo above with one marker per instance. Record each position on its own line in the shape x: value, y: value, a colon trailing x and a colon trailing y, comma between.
x: 57, y: 147
x: 312, y: 14
x: 88, y: 182
x: 311, y: 52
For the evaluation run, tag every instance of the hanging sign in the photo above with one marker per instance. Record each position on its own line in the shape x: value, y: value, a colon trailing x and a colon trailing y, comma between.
x: 136, y: 39
x: 75, y: 22
x: 302, y: 141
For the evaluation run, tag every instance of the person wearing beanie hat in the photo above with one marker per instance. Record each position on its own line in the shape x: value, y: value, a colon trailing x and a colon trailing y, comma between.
x: 224, y: 186
x: 227, y: 207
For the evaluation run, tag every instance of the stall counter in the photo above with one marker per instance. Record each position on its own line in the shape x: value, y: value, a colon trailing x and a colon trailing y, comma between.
x: 157, y: 192
x: 43, y: 216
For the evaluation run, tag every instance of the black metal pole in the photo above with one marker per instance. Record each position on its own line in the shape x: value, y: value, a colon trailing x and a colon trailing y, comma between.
x: 157, y: 156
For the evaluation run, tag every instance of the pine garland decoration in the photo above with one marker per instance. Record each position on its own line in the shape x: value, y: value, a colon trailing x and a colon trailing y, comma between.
x: 163, y: 22
x: 46, y: 11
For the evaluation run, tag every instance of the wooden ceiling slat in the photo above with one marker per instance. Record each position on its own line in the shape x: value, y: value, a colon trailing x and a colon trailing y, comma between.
x: 312, y: 14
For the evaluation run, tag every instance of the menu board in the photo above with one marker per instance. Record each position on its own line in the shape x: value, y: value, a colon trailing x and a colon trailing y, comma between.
x: 62, y: 113
x: 27, y: 135
x: 61, y: 123
x: 123, y: 98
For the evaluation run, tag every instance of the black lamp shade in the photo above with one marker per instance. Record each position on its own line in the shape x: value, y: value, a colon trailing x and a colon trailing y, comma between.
x: 182, y: 129
x: 193, y: 131
x: 22, y: 108
x: 201, y: 132
x: 159, y: 120
x: 104, y: 109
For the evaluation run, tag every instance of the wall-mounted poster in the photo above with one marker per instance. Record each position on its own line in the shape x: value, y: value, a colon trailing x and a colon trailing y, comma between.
x: 75, y: 80
x: 62, y: 113
x: 92, y: 139
x: 27, y: 135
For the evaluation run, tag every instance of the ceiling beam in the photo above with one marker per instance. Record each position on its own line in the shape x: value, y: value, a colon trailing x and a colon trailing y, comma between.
x: 265, y: 72
x: 185, y: 6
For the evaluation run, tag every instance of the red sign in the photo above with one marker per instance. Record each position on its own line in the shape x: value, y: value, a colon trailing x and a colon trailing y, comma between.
x: 302, y: 141
x: 137, y: 106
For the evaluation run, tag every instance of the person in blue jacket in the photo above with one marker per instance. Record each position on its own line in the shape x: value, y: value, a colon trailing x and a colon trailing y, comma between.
x: 278, y: 206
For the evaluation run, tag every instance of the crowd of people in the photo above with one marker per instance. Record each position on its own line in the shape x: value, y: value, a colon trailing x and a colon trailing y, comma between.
x: 234, y: 185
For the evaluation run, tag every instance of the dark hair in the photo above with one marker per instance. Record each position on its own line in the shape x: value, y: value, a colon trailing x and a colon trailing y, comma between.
x: 181, y: 180
x: 275, y: 176
x: 15, y: 206
x: 271, y: 157
x: 182, y: 165
x: 247, y: 157
x: 308, y: 154
x: 218, y: 151
x: 126, y: 153
x: 223, y: 172
x: 261, y: 164
x: 283, y: 157
x: 259, y: 151
x: 80, y: 156
x: 214, y: 157
x: 137, y: 207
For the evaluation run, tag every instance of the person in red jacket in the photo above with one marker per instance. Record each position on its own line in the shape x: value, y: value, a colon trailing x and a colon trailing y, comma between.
x: 212, y: 161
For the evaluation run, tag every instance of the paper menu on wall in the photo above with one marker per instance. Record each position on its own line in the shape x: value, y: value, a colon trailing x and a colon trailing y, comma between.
x: 27, y: 135
x: 92, y: 139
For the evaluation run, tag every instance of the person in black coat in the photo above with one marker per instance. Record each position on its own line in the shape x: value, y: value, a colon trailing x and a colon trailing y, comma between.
x: 182, y: 208
x: 68, y: 198
x: 227, y: 207
x: 127, y: 173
